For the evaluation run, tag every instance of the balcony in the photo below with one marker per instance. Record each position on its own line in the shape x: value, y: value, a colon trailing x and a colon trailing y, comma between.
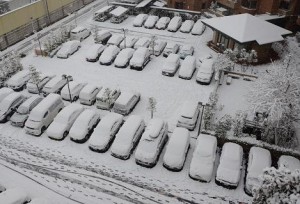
x: 228, y: 3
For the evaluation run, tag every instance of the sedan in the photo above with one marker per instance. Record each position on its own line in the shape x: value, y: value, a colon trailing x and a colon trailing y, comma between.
x: 177, y: 149
x: 140, y: 58
x: 140, y: 19
x: 123, y: 58
x: 60, y: 127
x: 186, y: 50
x: 187, y: 68
x: 162, y: 23
x: 129, y: 41
x: 109, y: 55
x: 71, y: 91
x: 115, y: 40
x: 105, y: 132
x: 187, y: 26
x: 189, y: 115
x: 203, y: 159
x: 128, y: 137
x: 84, y: 126
x: 94, y: 52
x: 68, y: 48
x: 151, y: 21
x: 33, y: 87
x: 229, y: 169
x: 152, y: 143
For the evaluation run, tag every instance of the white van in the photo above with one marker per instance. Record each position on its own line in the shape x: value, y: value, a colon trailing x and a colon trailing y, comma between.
x: 80, y: 33
x: 18, y: 81
x: 43, y: 114
x: 126, y: 102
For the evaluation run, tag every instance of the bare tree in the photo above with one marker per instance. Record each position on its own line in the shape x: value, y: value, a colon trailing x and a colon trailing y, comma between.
x: 152, y: 105
x: 35, y: 77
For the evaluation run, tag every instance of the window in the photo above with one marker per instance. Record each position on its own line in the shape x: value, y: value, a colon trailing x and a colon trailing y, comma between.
x: 179, y: 5
x: 285, y: 4
x: 251, y: 4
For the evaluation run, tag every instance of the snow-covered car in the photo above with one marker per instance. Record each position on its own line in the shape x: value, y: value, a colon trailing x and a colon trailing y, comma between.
x: 123, y: 58
x: 94, y: 52
x: 5, y: 91
x: 22, y: 113
x: 102, y: 36
x: 189, y: 114
x: 105, y: 132
x: 170, y: 48
x: 79, y: 33
x: 36, y: 88
x: 177, y: 149
x: 142, y: 42
x: 60, y: 127
x: 229, y: 169
x: 9, y: 105
x: 115, y: 40
x: 140, y: 58
x: 187, y: 68
x: 289, y: 162
x: 40, y: 201
x: 129, y: 41
x: 187, y: 26
x: 109, y: 55
x: 14, y: 196
x: 106, y: 98
x: 55, y: 85
x: 171, y: 65
x: 151, y: 21
x: 68, y: 48
x: 152, y: 143
x: 18, y: 81
x: 140, y: 20
x: 84, y: 126
x: 258, y: 159
x: 103, y: 13
x: 158, y: 47
x: 205, y: 71
x: 203, y: 159
x: 87, y: 95
x: 126, y: 102
x: 186, y: 50
x: 162, y: 23
x: 128, y: 137
x: 43, y: 114
x: 71, y: 91
x: 198, y: 28
x: 174, y: 24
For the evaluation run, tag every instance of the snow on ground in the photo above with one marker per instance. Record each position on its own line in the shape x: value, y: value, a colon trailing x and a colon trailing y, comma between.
x: 77, y: 173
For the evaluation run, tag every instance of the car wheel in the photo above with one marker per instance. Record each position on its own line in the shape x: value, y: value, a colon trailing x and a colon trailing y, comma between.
x: 65, y: 134
x: 43, y: 129
x: 75, y: 98
x: 68, y: 55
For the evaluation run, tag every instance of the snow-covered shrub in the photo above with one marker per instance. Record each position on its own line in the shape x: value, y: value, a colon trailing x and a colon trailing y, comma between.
x: 35, y: 77
x: 152, y: 105
x: 277, y: 92
x: 209, y: 111
x: 278, y: 186
x: 223, y: 126
x: 9, y: 65
x: 238, y: 123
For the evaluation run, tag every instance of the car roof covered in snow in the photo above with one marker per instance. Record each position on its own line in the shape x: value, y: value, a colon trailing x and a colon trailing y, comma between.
x: 289, y: 162
x: 131, y: 125
x: 19, y: 75
x: 53, y: 81
x: 13, y: 195
x: 89, y: 88
x: 29, y: 101
x: 188, y: 60
x: 154, y: 127
x: 118, y: 11
x: 78, y: 29
x: 12, y: 96
x: 125, y: 97
x: 109, y: 120
x: 101, y: 32
x: 189, y: 108
x: 115, y: 38
x: 172, y: 57
x: 205, y: 144
x: 38, y: 111
x: 142, y: 41
x: 231, y: 151
x: 84, y: 117
x: 177, y: 140
x: 261, y: 158
x: 68, y: 111
x: 5, y: 91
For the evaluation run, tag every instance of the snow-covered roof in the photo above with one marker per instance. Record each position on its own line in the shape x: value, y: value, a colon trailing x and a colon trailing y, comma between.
x: 124, y: 98
x: 205, y: 144
x: 103, y: 9
x: 247, y: 28
x: 189, y: 108
x: 118, y: 11
x: 88, y: 89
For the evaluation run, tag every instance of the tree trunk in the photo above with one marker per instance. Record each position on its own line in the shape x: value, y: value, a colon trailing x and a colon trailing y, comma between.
x: 151, y: 114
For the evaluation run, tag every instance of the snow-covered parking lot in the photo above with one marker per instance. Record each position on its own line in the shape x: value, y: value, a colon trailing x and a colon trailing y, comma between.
x: 72, y: 171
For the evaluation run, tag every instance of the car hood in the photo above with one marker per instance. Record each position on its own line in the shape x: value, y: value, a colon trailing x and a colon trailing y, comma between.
x: 100, y: 139
x: 228, y: 175
x: 120, y: 149
x: 56, y: 129
x: 173, y: 160
x: 78, y: 133
x: 18, y: 117
x: 202, y: 169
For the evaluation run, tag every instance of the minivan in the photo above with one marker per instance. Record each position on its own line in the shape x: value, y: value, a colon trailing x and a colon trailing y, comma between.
x: 9, y: 105
x: 126, y: 102
x: 43, y: 114
x: 80, y: 33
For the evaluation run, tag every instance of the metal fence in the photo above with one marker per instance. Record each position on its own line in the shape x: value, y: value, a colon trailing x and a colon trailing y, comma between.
x: 28, y: 29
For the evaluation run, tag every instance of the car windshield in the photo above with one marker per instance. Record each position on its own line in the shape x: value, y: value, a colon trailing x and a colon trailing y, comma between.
x: 4, y: 106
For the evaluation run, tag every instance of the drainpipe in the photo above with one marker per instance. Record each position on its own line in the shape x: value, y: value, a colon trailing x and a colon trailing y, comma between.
x: 47, y: 11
